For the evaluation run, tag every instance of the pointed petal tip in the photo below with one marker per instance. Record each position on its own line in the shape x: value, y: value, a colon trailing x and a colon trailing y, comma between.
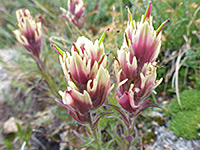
x: 103, y: 36
x: 148, y: 12
x: 57, y: 49
x: 161, y: 26
x: 168, y: 20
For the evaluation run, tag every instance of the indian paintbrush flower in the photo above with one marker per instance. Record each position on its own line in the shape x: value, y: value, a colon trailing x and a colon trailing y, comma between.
x: 28, y: 32
x: 136, y: 66
x: 88, y: 79
x: 75, y: 12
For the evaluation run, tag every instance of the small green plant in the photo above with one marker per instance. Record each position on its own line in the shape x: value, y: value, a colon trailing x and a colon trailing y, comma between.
x: 22, y: 136
x: 186, y: 122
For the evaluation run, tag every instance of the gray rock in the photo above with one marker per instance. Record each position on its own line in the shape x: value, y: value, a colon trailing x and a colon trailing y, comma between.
x: 166, y: 140
x: 6, y: 56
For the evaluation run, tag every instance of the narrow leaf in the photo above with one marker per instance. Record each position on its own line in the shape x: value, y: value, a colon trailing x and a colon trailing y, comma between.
x: 98, y: 117
x: 85, y: 144
x: 123, y: 115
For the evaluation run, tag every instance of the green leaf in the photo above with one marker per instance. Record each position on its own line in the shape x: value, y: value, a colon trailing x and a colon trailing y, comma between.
x: 123, y: 115
x: 98, y: 117
x: 108, y: 144
x: 87, y: 143
x: 83, y: 138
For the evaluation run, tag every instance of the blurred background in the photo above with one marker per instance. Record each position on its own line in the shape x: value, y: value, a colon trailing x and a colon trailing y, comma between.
x: 30, y: 117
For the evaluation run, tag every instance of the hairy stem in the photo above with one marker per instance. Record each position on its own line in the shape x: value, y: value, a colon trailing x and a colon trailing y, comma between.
x: 96, y: 139
x: 48, y: 79
x: 130, y: 130
x: 95, y: 133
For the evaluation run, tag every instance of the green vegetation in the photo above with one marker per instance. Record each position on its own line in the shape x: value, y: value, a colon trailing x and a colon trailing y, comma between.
x: 186, y: 122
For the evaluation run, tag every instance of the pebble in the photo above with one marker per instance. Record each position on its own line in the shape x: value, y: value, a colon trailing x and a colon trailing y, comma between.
x: 10, y: 126
x: 166, y: 140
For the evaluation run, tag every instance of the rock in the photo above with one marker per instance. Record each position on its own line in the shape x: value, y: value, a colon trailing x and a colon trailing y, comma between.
x: 166, y: 140
x: 10, y: 126
x: 6, y: 56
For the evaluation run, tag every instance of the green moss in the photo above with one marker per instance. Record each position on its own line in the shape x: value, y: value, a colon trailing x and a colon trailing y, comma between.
x: 190, y: 100
x: 186, y: 122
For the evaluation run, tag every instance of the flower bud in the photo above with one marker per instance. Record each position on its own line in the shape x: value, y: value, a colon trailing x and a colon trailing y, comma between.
x: 29, y: 32
x: 75, y: 12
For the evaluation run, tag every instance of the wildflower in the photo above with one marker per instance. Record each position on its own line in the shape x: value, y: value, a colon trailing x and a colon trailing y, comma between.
x: 29, y: 32
x: 88, y: 79
x: 142, y: 40
x: 136, y: 66
x: 75, y: 12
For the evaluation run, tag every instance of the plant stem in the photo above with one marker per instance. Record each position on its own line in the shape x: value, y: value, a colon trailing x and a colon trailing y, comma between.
x: 133, y: 125
x: 130, y: 130
x: 96, y: 139
x: 95, y: 133
x: 128, y: 146
x: 46, y: 76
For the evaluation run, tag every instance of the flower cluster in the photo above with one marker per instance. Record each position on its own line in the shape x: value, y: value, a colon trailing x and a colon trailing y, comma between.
x: 136, y: 65
x: 88, y: 79
x: 29, y: 32
x: 75, y: 12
